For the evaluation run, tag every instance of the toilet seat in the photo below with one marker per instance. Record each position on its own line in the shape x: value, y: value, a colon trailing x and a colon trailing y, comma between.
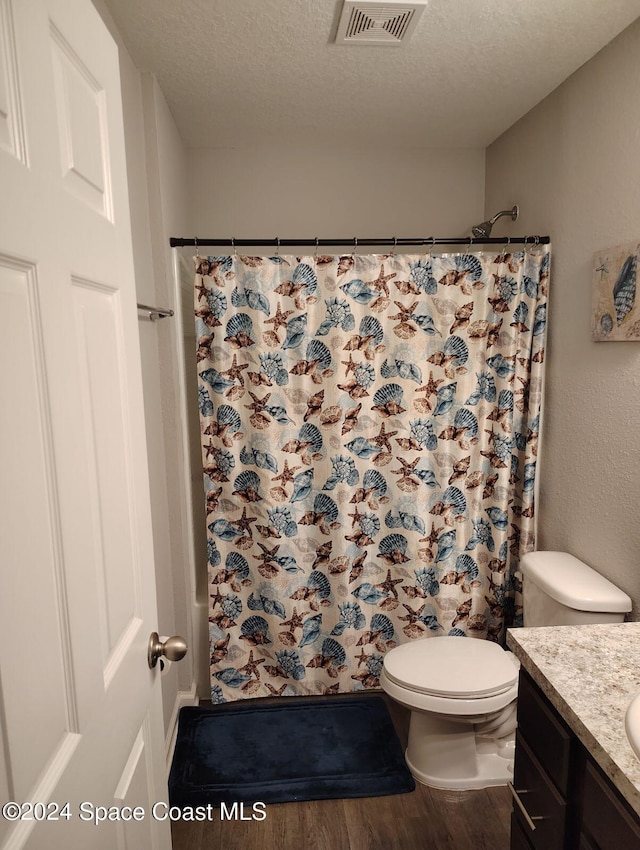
x: 452, y: 668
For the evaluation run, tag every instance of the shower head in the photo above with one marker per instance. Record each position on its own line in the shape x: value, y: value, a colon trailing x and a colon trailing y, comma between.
x: 483, y: 230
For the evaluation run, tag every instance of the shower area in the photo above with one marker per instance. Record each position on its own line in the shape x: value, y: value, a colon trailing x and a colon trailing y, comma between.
x: 369, y: 428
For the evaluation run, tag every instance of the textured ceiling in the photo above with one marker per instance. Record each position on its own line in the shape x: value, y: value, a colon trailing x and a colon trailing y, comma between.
x: 255, y: 73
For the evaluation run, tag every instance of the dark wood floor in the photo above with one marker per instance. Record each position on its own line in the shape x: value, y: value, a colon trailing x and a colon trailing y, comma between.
x: 426, y: 818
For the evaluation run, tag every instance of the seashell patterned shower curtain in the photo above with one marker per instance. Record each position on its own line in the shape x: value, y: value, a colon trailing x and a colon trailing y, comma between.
x: 369, y: 440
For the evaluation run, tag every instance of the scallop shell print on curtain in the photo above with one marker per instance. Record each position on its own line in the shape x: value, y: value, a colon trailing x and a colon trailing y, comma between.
x: 369, y: 441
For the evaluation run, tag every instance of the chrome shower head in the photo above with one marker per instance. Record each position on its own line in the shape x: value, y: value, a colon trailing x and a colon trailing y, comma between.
x: 483, y: 230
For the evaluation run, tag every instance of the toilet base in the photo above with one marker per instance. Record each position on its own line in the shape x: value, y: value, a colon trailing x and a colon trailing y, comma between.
x: 492, y: 770
x: 453, y: 754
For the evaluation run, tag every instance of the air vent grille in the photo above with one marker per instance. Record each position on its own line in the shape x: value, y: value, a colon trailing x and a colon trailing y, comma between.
x: 387, y: 22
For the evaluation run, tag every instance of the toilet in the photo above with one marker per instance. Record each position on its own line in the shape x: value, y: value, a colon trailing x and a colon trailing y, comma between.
x: 462, y: 693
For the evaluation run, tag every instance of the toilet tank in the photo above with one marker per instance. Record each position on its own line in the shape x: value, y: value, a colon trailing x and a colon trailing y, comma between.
x: 560, y: 590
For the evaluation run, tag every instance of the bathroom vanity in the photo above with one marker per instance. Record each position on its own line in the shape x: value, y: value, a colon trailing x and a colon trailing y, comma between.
x: 576, y: 781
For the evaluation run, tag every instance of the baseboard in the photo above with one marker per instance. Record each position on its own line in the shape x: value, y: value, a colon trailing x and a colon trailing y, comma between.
x: 183, y: 698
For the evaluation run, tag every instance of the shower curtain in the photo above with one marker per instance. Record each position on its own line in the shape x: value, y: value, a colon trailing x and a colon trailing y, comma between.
x: 369, y: 440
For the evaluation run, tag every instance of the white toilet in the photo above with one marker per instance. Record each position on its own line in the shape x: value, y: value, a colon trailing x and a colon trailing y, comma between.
x: 462, y: 693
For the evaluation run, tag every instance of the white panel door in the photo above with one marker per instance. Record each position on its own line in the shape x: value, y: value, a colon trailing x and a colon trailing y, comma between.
x: 80, y: 712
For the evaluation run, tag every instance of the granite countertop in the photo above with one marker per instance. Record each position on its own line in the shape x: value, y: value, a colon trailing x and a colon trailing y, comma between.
x: 590, y: 674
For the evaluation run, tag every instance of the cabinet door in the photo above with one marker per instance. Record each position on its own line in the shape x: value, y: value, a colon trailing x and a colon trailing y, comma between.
x: 585, y: 844
x: 605, y: 817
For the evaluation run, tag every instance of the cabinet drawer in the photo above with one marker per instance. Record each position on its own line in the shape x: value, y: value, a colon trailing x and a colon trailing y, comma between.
x: 604, y: 817
x: 519, y: 840
x: 546, y: 733
x: 541, y: 800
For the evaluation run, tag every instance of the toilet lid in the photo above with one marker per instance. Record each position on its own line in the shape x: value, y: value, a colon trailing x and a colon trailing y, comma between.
x: 454, y: 667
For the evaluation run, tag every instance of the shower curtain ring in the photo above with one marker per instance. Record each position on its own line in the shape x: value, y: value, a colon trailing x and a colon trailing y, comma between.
x: 315, y: 253
x: 395, y: 244
x: 355, y: 247
x: 277, y: 246
x: 195, y: 239
x: 233, y: 244
x: 429, y: 250
x: 503, y: 254
x: 534, y: 242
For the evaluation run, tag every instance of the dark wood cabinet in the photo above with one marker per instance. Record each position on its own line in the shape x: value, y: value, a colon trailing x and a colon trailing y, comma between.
x: 562, y: 800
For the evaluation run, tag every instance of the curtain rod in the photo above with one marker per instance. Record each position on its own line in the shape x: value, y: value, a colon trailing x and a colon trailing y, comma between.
x: 180, y: 242
x: 156, y: 313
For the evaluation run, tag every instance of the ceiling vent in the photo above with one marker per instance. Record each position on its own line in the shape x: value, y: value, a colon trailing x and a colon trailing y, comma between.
x: 384, y: 22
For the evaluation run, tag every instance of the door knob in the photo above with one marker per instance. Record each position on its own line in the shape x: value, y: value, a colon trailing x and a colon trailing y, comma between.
x: 173, y: 649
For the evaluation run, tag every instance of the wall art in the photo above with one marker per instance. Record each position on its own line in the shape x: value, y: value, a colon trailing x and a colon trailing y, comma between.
x: 616, y: 309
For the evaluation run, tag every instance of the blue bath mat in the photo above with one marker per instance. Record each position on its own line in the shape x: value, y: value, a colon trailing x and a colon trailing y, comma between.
x: 284, y: 752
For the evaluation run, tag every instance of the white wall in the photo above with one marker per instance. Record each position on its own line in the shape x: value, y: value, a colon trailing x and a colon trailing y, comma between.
x: 573, y: 165
x: 307, y: 193
x: 156, y: 166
